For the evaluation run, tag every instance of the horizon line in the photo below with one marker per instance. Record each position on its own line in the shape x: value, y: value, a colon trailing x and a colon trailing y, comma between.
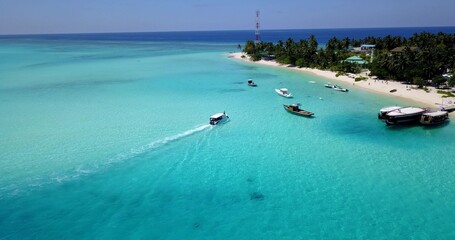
x: 227, y: 30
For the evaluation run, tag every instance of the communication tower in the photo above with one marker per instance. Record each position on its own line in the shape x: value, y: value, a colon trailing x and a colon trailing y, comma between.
x: 258, y: 39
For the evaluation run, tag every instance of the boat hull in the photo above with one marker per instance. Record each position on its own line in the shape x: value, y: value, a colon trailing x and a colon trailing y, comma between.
x: 428, y: 120
x: 406, y: 119
x: 302, y: 113
x: 283, y: 95
x: 340, y: 89
x: 407, y: 115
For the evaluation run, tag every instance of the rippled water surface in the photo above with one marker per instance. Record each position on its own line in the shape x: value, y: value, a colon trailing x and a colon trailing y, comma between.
x: 110, y: 140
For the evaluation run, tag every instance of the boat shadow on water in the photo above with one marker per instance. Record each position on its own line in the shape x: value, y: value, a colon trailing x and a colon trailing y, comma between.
x: 400, y: 127
x: 238, y: 83
x: 436, y: 126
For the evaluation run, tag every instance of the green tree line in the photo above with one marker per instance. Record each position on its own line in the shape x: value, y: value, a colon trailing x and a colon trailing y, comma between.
x: 424, y: 56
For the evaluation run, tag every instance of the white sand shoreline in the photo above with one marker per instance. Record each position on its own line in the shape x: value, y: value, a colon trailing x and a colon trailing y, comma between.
x: 429, y: 99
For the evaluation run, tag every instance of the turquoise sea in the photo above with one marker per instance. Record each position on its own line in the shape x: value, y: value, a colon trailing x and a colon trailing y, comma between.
x: 109, y: 139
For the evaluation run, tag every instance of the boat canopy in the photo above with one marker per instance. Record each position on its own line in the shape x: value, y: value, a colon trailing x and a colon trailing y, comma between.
x: 436, y: 114
x: 284, y: 90
x: 388, y: 109
x: 405, y: 111
x: 218, y: 115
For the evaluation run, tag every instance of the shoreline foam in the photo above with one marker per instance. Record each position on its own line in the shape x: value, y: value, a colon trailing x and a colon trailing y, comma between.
x: 409, y: 92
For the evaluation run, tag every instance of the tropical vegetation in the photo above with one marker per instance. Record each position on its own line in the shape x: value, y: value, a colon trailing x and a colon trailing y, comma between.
x: 421, y: 59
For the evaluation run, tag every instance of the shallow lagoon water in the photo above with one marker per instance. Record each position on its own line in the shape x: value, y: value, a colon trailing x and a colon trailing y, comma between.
x: 111, y: 140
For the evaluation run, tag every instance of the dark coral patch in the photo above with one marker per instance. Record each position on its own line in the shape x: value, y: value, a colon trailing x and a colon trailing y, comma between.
x: 256, y: 196
x: 196, y: 225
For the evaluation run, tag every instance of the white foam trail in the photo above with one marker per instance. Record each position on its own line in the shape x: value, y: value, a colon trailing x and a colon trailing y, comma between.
x: 161, y: 142
x: 14, y: 190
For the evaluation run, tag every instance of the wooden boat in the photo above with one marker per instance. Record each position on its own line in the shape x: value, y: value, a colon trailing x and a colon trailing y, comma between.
x: 406, y: 115
x: 251, y: 83
x: 283, y: 92
x: 383, y: 111
x: 434, y: 118
x: 295, y: 109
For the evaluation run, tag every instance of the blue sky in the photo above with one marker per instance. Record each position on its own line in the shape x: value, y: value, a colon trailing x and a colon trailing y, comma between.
x: 75, y: 16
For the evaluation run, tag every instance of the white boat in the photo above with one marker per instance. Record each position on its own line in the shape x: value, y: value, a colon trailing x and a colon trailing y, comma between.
x: 338, y: 88
x: 328, y: 85
x: 433, y: 118
x: 404, y: 115
x: 383, y: 111
x: 283, y: 92
x: 215, y: 119
x: 448, y: 108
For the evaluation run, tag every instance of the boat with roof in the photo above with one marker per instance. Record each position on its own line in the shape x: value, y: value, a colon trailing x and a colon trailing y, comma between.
x: 251, y: 83
x: 218, y: 118
x: 383, y: 111
x: 295, y: 109
x: 434, y: 118
x: 283, y: 92
x: 405, y: 115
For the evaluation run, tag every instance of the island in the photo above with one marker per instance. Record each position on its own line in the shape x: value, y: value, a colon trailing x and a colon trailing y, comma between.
x: 419, y: 68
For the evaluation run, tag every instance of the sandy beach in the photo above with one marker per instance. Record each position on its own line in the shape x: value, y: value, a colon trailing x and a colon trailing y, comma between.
x: 410, y: 92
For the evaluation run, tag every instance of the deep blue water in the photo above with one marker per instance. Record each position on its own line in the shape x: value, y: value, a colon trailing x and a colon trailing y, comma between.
x: 240, y: 37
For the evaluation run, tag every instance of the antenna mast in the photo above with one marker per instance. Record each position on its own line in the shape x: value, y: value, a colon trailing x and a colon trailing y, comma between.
x: 258, y: 39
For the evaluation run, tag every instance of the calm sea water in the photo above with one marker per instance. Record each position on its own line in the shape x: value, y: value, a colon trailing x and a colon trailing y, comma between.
x: 106, y: 136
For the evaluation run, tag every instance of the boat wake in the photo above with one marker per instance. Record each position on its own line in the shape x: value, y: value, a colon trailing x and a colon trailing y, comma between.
x: 134, y: 152
x: 166, y: 140
x: 33, y: 183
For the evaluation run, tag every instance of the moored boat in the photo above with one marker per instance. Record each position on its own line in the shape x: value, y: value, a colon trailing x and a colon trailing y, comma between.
x: 406, y: 115
x: 251, y: 83
x: 448, y: 108
x: 283, y: 92
x: 383, y: 111
x: 338, y: 88
x: 295, y: 109
x: 434, y: 118
x: 328, y: 85
x: 215, y: 119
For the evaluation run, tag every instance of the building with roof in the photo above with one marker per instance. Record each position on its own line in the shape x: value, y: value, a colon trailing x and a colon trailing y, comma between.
x: 356, y: 60
x: 367, y: 47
